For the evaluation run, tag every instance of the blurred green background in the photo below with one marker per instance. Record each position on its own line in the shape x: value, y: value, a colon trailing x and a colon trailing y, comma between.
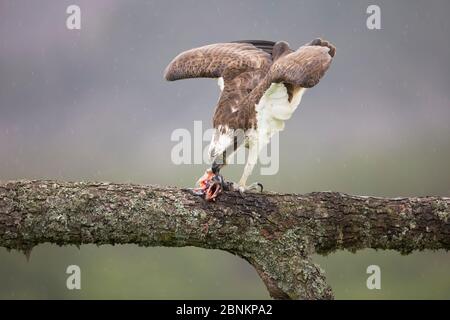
x: 92, y: 105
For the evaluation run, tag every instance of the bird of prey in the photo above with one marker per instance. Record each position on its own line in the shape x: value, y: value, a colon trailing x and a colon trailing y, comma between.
x: 262, y: 83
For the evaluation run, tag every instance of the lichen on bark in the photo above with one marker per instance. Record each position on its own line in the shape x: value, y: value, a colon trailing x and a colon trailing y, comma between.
x: 276, y: 233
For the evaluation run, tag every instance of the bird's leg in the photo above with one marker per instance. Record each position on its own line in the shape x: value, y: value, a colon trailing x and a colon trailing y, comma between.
x: 251, y: 162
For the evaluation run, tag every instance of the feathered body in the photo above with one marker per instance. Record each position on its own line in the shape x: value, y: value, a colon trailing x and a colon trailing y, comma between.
x: 261, y: 82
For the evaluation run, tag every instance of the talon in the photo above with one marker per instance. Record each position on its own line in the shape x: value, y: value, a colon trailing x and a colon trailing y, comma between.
x: 243, y: 189
x: 254, y: 187
x: 261, y: 186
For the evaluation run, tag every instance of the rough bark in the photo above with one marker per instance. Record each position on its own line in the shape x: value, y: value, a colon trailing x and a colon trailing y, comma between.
x: 276, y: 233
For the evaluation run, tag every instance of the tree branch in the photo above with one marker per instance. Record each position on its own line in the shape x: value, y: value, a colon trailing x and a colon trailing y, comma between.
x: 276, y: 233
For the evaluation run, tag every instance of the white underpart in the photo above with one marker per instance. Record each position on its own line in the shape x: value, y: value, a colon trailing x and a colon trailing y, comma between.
x: 273, y: 110
x: 220, y: 83
x: 222, y: 138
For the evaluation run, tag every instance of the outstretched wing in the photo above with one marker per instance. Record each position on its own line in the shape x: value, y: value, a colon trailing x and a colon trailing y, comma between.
x: 304, y: 67
x: 264, y: 45
x: 277, y: 96
x: 224, y: 60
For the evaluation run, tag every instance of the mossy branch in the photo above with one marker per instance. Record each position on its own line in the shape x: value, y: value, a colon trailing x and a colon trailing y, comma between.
x: 276, y: 233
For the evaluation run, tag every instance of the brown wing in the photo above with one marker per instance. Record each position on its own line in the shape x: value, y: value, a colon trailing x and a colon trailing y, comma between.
x: 304, y: 67
x: 264, y: 45
x: 217, y: 60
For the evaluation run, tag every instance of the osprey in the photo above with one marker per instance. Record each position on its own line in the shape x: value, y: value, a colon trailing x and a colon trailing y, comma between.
x: 262, y: 83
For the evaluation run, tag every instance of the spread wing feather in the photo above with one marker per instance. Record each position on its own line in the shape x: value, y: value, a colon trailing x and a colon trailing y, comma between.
x: 248, y: 69
x: 264, y: 45
x: 224, y: 60
x: 304, y: 67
